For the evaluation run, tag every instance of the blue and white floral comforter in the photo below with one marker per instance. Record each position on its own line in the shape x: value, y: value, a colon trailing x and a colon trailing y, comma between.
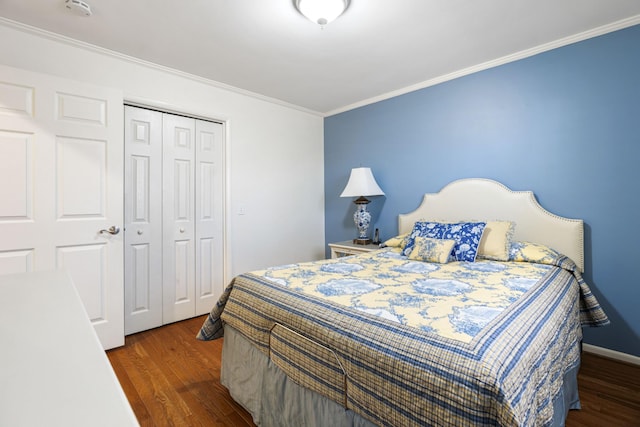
x: 454, y: 300
x: 407, y: 343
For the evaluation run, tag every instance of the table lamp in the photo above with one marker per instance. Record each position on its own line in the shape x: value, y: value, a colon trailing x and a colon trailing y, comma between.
x: 362, y: 184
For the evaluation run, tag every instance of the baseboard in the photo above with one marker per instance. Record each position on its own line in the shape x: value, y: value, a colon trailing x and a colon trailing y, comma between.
x: 612, y: 354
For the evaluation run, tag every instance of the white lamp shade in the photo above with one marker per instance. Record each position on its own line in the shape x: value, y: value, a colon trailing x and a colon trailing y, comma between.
x: 361, y: 183
x: 322, y: 11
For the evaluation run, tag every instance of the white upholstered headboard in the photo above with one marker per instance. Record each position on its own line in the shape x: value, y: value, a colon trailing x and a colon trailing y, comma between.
x: 485, y: 199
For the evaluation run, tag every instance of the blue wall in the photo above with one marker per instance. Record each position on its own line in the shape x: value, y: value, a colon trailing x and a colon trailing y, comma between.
x: 564, y: 124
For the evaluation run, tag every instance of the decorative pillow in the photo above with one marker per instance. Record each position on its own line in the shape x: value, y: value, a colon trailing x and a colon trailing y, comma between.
x: 466, y: 234
x: 397, y: 242
x: 532, y: 252
x: 496, y: 241
x: 431, y: 250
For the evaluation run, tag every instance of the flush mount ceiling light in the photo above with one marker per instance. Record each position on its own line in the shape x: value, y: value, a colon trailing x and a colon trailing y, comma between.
x: 321, y: 11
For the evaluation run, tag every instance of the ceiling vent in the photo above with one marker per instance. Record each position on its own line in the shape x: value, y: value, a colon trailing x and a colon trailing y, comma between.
x: 78, y: 7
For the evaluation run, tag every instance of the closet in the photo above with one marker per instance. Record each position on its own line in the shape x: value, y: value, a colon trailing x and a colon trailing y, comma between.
x: 173, y: 220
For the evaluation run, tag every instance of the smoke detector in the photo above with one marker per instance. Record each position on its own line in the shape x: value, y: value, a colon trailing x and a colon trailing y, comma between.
x: 78, y: 7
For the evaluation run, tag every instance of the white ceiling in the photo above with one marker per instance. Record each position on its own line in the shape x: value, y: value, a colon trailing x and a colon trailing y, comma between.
x: 377, y: 48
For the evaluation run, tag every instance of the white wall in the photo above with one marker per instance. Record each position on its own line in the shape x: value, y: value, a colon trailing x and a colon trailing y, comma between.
x: 275, y: 153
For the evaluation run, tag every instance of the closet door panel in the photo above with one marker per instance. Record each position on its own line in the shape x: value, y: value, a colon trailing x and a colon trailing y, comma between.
x: 208, y: 214
x: 143, y: 219
x: 182, y: 272
x: 178, y: 218
x: 140, y: 300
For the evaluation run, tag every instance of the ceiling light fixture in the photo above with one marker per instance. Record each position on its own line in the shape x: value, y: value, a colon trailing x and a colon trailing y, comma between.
x: 78, y: 7
x: 321, y: 11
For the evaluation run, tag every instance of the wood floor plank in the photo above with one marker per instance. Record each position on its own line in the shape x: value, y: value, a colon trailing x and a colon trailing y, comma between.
x: 609, y: 394
x: 136, y: 402
x: 171, y: 379
x: 194, y: 379
x: 155, y: 387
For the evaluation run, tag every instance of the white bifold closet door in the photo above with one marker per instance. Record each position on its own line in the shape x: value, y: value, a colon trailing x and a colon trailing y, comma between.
x: 143, y: 219
x: 174, y: 217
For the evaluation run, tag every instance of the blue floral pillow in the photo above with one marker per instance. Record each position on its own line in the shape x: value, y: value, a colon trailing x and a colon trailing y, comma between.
x: 467, y: 236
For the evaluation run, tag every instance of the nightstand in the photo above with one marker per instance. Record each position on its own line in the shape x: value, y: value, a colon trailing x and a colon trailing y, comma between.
x: 346, y: 248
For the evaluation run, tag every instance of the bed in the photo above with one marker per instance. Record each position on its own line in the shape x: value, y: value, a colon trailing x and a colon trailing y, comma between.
x: 442, y: 327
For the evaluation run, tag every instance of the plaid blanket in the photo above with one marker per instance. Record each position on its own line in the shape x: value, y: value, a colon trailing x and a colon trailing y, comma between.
x: 398, y: 375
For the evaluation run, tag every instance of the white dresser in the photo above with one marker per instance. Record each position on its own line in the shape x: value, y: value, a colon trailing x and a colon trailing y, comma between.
x: 53, y: 370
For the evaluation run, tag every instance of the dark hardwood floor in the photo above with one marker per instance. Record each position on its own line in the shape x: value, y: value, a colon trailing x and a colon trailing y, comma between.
x: 171, y: 379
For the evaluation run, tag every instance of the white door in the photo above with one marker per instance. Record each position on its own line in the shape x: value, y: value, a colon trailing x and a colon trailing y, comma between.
x: 209, y: 214
x: 143, y: 219
x: 61, y: 188
x: 178, y: 260
x: 174, y: 207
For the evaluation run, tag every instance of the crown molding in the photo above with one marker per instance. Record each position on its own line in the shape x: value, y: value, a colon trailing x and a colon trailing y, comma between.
x: 595, y: 32
x: 614, y: 26
x: 147, y: 64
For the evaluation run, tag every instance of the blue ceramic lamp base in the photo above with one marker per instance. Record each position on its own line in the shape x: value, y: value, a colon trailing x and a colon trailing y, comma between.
x: 362, y: 219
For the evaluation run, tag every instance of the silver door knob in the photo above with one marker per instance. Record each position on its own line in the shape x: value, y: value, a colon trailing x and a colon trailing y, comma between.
x: 111, y: 230
x: 182, y: 230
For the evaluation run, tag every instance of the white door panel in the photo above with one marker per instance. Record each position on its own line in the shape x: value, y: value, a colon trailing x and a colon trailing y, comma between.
x: 16, y: 161
x: 81, y: 178
x: 17, y: 261
x: 143, y: 219
x: 87, y: 264
x: 61, y: 177
x: 208, y: 215
x: 178, y: 223
x: 17, y: 98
